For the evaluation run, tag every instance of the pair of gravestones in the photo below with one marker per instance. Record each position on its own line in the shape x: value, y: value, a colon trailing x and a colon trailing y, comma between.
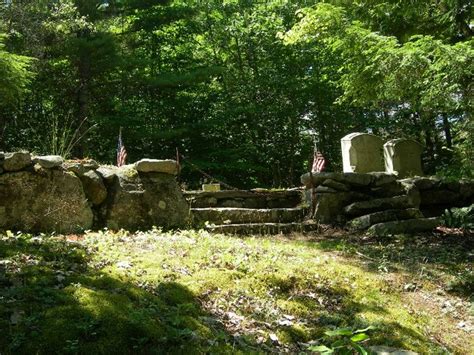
x: 365, y: 153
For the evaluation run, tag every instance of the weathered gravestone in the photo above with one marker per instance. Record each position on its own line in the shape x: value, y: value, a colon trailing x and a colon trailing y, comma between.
x: 362, y: 153
x: 403, y: 157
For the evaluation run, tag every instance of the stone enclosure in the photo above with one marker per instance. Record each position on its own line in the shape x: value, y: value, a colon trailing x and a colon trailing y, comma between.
x: 43, y: 194
x: 382, y: 203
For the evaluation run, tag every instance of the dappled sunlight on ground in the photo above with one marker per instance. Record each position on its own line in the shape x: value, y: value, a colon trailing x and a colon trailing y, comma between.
x: 193, y: 291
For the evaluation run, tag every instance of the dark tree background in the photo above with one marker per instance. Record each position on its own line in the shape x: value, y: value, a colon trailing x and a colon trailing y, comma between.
x: 239, y: 87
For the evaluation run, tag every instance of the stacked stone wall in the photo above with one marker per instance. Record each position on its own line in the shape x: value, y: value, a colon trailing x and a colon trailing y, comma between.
x: 369, y: 200
x: 44, y: 194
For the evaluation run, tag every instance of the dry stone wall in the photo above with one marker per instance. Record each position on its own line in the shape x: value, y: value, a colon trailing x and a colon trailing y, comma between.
x: 44, y: 194
x: 382, y: 203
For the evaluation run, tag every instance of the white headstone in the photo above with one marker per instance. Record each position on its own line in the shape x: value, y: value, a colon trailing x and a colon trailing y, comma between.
x: 403, y: 157
x: 362, y: 153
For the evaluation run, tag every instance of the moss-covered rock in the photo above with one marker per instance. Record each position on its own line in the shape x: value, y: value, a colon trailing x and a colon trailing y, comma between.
x: 16, y: 161
x: 142, y: 200
x: 46, y: 200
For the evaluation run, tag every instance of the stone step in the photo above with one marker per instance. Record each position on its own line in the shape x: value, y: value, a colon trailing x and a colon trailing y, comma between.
x: 408, y: 226
x: 368, y: 220
x: 258, y: 198
x: 262, y: 228
x: 366, y: 207
x: 230, y: 215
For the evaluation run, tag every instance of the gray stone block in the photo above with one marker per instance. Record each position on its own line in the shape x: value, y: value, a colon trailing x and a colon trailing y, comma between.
x: 16, y: 161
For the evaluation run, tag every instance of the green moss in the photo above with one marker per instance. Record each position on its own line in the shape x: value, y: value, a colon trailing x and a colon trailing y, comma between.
x: 193, y: 292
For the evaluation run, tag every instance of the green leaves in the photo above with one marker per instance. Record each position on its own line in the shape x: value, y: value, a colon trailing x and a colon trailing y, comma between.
x: 15, y: 75
x: 343, y: 341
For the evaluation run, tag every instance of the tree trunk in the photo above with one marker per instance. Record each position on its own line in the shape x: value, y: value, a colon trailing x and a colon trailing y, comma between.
x: 447, y: 131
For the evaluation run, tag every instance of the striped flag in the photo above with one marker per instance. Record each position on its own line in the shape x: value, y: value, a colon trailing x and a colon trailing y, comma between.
x: 121, y: 152
x: 319, y: 163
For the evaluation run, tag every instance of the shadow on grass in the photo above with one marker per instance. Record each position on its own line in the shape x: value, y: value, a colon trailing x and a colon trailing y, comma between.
x: 334, y: 307
x: 421, y: 255
x: 53, y: 301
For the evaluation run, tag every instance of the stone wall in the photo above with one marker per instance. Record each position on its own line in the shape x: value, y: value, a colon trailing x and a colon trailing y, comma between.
x: 253, y: 199
x: 366, y: 200
x: 43, y: 194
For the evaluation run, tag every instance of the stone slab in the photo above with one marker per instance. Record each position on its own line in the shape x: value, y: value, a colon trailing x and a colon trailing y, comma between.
x: 262, y: 228
x: 366, y: 207
x: 362, y: 153
x: 403, y: 157
x: 49, y: 161
x: 339, y: 186
x: 366, y: 221
x: 168, y: 166
x: 247, y: 215
x: 408, y: 226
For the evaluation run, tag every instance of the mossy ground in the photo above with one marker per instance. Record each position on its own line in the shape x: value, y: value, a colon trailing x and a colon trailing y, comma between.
x: 194, y: 292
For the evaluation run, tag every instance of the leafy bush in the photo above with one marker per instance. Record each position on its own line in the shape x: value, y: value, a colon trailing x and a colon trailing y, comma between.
x: 459, y: 217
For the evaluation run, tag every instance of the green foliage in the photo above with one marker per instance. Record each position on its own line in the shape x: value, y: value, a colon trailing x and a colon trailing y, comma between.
x: 343, y: 341
x: 15, y: 75
x: 239, y: 87
x: 459, y: 217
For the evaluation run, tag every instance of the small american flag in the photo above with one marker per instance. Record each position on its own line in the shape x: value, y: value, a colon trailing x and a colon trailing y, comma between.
x: 121, y: 152
x: 319, y: 163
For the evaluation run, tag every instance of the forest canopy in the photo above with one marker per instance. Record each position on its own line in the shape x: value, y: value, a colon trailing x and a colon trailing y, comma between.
x: 241, y: 88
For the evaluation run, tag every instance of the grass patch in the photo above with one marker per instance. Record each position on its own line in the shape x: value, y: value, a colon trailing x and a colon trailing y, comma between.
x: 196, y: 292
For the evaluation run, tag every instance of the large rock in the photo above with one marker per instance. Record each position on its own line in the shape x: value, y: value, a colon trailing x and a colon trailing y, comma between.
x: 381, y: 178
x: 16, y: 161
x: 80, y: 167
x: 362, y: 153
x: 329, y: 207
x: 49, y: 161
x: 408, y: 226
x: 366, y: 221
x: 108, y: 173
x: 366, y: 207
x: 143, y: 200
x: 339, y: 186
x: 423, y: 183
x: 94, y: 187
x: 315, y: 179
x: 157, y: 166
x: 310, y: 180
x: 52, y: 200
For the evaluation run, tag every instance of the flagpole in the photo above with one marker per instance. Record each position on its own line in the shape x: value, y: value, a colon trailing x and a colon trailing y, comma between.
x: 313, y: 190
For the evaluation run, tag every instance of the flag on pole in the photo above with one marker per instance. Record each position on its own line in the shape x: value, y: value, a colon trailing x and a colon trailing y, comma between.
x: 121, y: 152
x: 319, y: 163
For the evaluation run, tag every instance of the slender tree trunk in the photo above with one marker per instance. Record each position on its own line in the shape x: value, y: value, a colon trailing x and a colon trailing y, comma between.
x: 447, y: 131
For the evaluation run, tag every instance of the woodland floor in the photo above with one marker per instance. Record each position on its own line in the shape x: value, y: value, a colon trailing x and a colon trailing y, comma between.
x: 195, y: 292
